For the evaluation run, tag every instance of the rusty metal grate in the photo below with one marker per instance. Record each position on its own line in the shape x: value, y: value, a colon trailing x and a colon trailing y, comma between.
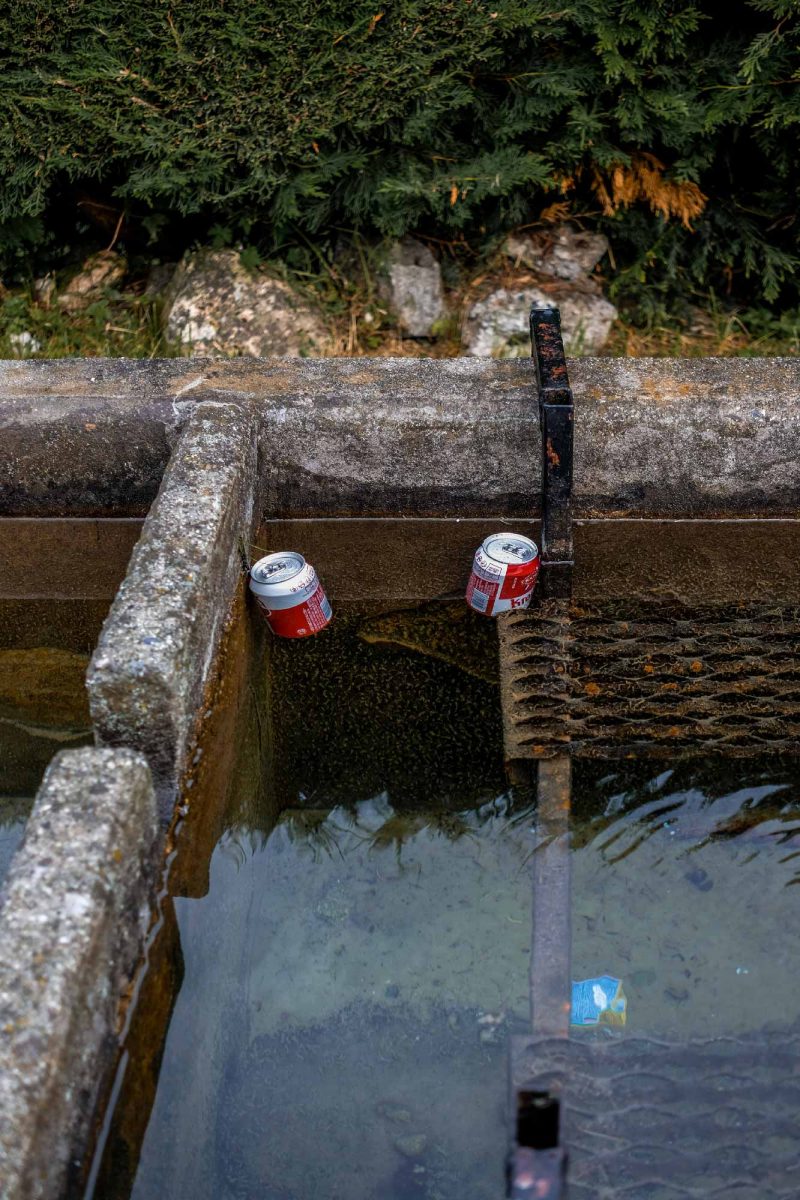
x: 649, y: 1119
x: 650, y: 678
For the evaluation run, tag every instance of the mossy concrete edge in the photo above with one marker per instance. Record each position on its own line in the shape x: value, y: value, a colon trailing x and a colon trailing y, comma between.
x: 158, y: 644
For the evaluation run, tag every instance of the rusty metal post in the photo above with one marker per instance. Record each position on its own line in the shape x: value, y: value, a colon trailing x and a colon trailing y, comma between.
x: 551, y: 978
x: 556, y: 414
x: 537, y: 1163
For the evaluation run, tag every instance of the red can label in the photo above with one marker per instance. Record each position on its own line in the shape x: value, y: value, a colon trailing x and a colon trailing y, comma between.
x: 496, y: 587
x: 303, y: 619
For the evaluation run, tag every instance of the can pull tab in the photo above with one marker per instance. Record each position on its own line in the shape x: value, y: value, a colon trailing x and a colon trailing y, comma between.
x: 556, y: 419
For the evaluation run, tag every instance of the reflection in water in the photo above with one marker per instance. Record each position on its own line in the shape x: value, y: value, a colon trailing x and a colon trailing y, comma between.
x: 682, y: 879
x: 43, y: 704
x: 14, y: 812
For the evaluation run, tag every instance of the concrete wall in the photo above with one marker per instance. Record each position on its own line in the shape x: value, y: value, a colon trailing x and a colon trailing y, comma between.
x: 380, y: 436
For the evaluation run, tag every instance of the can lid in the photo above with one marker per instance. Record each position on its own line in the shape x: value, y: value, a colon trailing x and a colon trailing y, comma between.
x: 277, y: 568
x: 510, y: 548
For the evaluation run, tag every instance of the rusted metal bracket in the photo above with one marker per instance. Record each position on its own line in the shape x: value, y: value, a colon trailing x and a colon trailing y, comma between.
x: 556, y: 415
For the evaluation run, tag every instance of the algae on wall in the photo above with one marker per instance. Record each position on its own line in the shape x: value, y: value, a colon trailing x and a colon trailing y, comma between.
x: 369, y: 707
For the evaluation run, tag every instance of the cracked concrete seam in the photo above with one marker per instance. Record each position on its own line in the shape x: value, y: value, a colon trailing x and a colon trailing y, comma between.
x: 152, y: 660
x: 74, y: 911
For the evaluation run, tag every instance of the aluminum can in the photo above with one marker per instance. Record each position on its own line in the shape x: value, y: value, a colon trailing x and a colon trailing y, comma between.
x: 290, y: 595
x: 504, y: 574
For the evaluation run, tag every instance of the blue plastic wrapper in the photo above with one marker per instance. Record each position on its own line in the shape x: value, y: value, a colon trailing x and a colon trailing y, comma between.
x: 599, y: 1001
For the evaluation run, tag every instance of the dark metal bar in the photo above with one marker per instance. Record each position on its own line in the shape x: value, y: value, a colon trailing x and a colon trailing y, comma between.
x: 556, y: 417
x: 537, y: 1163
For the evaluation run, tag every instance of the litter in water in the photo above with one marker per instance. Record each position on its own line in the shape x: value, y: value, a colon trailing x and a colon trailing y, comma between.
x: 599, y: 1001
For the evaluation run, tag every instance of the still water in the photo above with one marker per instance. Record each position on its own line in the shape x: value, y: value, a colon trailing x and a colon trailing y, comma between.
x: 57, y: 579
x: 684, y: 886
x: 339, y: 992
x: 350, y: 979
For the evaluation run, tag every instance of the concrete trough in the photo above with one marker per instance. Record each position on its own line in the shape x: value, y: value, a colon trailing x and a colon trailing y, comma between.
x: 211, y: 452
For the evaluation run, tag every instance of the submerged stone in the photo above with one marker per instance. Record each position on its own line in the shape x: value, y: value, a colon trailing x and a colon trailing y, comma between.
x: 443, y: 629
x: 44, y: 686
x: 411, y: 1145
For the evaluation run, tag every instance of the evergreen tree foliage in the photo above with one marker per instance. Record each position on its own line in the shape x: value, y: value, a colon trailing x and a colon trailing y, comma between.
x: 675, y: 122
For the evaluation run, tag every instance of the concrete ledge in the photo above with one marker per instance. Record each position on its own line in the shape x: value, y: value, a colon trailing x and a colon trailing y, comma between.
x: 73, y: 914
x: 155, y: 651
x: 459, y: 437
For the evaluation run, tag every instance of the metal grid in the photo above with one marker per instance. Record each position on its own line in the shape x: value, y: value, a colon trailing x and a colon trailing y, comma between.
x: 655, y: 679
x: 655, y: 1120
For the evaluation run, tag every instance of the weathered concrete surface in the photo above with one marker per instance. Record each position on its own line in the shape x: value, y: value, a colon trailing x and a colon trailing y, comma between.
x: 73, y: 914
x: 688, y: 437
x: 152, y: 660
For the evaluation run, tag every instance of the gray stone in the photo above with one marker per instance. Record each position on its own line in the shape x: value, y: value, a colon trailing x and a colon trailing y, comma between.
x: 562, y: 253
x: 154, y: 654
x: 453, y: 437
x: 44, y: 289
x: 159, y: 277
x: 100, y: 272
x: 413, y: 289
x: 497, y: 327
x: 73, y: 914
x: 214, y: 306
x: 411, y: 1145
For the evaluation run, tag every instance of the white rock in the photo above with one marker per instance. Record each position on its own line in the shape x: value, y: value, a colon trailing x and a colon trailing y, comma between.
x: 563, y: 253
x: 101, y: 271
x: 24, y: 342
x: 497, y: 326
x: 214, y: 306
x: 413, y: 289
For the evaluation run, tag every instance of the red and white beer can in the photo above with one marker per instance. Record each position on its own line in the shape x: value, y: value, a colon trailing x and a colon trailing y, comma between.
x: 503, y: 575
x: 290, y: 595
